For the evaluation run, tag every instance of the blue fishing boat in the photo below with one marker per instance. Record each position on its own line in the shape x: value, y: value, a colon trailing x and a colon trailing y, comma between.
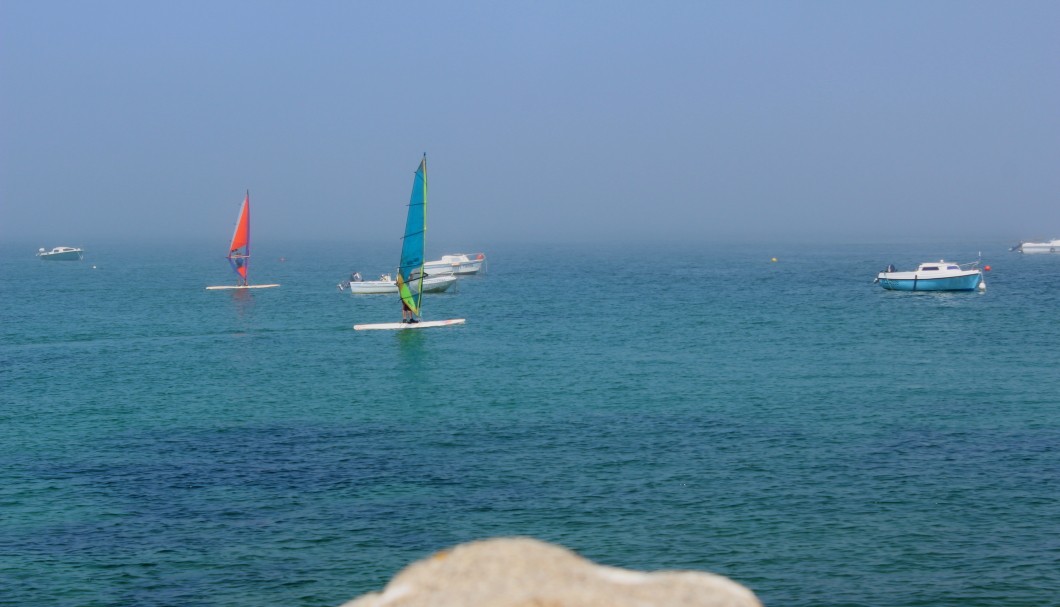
x: 934, y: 276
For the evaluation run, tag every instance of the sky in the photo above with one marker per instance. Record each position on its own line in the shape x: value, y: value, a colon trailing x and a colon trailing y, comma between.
x: 545, y: 121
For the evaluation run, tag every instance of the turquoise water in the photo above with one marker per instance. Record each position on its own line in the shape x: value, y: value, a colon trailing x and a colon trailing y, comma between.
x: 789, y: 425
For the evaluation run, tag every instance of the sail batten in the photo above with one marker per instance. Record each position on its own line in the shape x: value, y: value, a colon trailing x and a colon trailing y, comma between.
x: 410, y: 268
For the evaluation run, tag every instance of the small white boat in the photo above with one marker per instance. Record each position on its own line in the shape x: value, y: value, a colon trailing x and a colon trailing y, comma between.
x: 1052, y: 246
x: 934, y: 276
x: 457, y: 263
x: 385, y: 285
x: 62, y: 254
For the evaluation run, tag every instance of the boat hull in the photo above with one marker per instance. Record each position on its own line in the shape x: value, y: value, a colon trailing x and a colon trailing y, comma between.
x: 966, y: 281
x: 431, y: 284
x: 1039, y: 247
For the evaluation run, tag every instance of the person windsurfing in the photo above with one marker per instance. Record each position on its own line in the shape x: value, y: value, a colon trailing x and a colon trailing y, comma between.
x: 407, y: 315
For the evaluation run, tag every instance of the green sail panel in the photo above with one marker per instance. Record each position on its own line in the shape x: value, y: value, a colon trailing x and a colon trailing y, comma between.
x: 410, y: 270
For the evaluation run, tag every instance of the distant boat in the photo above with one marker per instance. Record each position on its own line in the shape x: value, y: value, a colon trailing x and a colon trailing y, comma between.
x: 934, y: 276
x: 410, y: 275
x: 1052, y: 246
x: 387, y: 285
x: 239, y: 251
x: 457, y: 263
x: 61, y: 254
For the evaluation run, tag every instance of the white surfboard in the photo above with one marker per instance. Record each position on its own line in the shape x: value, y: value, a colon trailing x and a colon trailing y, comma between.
x: 424, y: 324
x: 225, y: 287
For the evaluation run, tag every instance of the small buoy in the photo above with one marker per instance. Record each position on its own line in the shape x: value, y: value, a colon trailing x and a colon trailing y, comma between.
x: 986, y: 268
x: 93, y: 267
x: 774, y: 259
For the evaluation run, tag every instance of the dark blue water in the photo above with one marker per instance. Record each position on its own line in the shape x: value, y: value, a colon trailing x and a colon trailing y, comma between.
x: 789, y: 425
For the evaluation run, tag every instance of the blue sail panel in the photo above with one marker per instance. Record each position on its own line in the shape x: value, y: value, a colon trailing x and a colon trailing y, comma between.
x: 410, y: 269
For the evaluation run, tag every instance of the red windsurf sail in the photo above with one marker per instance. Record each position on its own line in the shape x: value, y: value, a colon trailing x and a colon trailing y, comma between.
x: 239, y: 250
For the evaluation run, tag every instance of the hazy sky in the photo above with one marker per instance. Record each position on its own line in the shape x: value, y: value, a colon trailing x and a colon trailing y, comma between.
x: 541, y: 120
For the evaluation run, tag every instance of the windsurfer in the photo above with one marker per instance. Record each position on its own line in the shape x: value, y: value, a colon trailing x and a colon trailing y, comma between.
x: 406, y: 314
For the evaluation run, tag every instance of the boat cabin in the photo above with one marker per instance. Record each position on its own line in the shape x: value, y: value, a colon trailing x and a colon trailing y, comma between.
x: 936, y: 267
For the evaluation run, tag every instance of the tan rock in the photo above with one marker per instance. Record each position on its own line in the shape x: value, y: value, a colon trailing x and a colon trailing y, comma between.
x: 523, y: 572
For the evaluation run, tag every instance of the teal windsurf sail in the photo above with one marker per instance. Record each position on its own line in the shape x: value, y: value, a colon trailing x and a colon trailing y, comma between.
x: 410, y: 270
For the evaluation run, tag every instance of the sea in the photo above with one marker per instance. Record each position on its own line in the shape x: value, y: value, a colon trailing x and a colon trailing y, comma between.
x: 758, y: 410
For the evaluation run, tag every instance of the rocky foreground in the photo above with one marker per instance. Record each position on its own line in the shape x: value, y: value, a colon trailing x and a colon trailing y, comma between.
x: 523, y: 572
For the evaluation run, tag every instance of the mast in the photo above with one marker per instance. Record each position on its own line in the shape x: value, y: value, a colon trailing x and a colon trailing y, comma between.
x: 246, y: 249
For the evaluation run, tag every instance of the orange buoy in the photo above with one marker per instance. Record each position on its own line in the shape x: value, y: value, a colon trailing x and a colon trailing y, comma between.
x: 987, y: 268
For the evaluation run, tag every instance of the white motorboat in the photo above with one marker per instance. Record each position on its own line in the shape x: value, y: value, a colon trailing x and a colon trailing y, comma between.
x: 1052, y: 246
x: 934, y: 276
x: 457, y: 263
x: 386, y: 284
x: 62, y: 254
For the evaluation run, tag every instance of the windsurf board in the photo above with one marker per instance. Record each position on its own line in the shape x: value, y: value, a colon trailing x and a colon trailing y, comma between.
x: 424, y: 324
